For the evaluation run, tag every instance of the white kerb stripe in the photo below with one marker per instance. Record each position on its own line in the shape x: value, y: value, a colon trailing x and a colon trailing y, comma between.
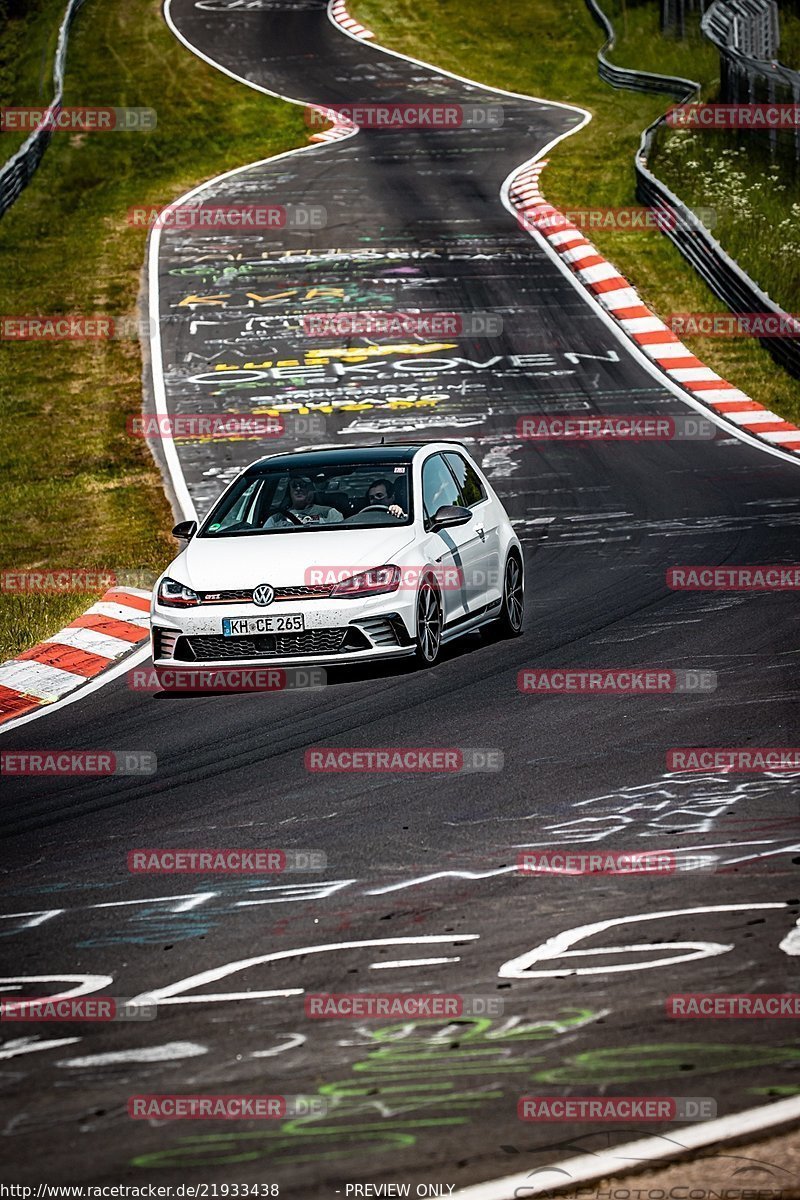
x: 91, y: 640
x: 693, y: 374
x: 598, y: 272
x: 120, y: 612
x: 643, y: 325
x: 623, y: 298
x: 668, y: 350
x: 578, y: 253
x: 786, y: 435
x: 38, y: 679
x: 752, y: 417
x: 565, y: 235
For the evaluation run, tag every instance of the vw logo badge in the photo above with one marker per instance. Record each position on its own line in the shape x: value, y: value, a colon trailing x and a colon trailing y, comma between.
x: 263, y: 594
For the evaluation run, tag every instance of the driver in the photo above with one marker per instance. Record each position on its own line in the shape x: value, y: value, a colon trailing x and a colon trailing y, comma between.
x: 380, y: 492
x: 302, y: 504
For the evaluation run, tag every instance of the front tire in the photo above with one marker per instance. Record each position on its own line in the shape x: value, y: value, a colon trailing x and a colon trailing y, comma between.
x: 512, y: 615
x: 429, y: 625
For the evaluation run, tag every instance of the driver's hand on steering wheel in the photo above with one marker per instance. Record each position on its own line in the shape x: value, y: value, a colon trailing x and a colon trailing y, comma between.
x: 396, y: 511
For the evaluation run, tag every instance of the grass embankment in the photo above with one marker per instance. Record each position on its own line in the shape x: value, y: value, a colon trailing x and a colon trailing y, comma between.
x: 79, y: 492
x: 547, y: 48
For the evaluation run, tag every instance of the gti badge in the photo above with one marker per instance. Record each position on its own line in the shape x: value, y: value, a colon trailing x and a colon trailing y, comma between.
x: 263, y: 594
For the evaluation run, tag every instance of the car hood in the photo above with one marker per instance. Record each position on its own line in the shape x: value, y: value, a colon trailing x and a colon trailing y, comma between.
x: 210, y: 564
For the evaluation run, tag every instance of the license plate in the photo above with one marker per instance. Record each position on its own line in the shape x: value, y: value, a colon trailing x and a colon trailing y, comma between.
x: 244, y: 626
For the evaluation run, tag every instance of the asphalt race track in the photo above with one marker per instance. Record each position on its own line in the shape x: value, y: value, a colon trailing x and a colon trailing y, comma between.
x: 421, y: 891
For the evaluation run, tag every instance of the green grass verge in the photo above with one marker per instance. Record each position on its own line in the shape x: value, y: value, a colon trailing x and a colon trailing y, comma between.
x: 547, y: 48
x: 79, y: 492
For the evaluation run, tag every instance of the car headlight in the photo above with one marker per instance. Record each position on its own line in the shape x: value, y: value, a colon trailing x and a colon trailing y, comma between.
x: 176, y: 595
x: 369, y: 583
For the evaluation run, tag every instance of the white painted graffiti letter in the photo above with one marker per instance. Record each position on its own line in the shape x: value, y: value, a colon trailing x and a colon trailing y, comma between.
x: 558, y: 947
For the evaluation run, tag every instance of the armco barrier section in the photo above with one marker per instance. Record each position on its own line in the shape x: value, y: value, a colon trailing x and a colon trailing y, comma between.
x: 725, y: 278
x: 746, y: 34
x: 17, y: 172
x: 634, y: 81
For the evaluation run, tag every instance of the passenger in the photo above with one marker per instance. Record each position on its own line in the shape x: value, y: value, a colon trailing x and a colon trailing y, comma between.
x: 380, y: 492
x: 302, y: 503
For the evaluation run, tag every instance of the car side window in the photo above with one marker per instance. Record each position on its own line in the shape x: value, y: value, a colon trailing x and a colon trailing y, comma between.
x: 468, y: 479
x: 438, y: 486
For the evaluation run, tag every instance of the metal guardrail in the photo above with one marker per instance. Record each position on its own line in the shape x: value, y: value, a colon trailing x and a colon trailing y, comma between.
x: 634, y: 81
x: 724, y: 276
x: 17, y: 172
x: 750, y: 26
x: 746, y: 34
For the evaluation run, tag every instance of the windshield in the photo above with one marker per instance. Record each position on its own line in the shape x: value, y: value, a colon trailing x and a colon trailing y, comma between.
x: 291, y: 500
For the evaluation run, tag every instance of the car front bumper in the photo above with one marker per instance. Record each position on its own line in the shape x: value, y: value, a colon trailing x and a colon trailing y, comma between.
x: 335, y: 632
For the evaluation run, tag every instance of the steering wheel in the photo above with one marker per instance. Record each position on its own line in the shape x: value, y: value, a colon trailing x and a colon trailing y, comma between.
x: 373, y: 508
x: 284, y: 512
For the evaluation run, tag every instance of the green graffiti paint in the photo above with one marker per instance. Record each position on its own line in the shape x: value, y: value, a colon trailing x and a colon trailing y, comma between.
x: 407, y: 1069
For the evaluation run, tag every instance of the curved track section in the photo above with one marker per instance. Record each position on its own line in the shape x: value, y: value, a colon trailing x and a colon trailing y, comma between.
x: 421, y: 891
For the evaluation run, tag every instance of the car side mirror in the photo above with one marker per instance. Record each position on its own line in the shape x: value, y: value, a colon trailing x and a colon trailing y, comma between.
x: 449, y: 515
x: 185, y: 530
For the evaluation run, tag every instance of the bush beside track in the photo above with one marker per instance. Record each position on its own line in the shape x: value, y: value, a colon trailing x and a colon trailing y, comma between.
x: 547, y: 48
x: 79, y: 492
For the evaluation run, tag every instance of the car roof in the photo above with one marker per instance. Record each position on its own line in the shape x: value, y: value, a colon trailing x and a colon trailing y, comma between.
x: 337, y: 456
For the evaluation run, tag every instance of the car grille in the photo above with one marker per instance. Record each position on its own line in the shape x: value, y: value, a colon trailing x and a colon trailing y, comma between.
x: 271, y: 645
x: 245, y: 595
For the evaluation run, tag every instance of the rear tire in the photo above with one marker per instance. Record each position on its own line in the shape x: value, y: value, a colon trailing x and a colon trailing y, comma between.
x: 429, y: 625
x: 512, y: 614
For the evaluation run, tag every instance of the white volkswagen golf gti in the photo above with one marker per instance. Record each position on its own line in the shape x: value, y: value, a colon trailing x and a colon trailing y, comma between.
x: 335, y: 556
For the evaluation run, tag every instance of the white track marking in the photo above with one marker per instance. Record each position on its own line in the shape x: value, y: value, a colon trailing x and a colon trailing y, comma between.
x: 37, y: 918
x: 293, y: 1040
x: 791, y: 943
x: 558, y: 946
x: 411, y: 962
x: 172, y: 993
x: 169, y: 1052
x: 28, y: 1045
x: 85, y: 984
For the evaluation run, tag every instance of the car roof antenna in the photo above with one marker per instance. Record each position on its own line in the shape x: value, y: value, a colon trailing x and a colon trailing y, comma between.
x: 383, y: 439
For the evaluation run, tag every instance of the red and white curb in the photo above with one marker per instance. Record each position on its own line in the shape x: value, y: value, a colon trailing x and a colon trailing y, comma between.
x: 342, y: 17
x: 117, y: 624
x: 340, y: 127
x: 622, y: 302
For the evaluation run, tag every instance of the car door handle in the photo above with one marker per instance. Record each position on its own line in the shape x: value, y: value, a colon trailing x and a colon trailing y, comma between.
x: 480, y: 532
